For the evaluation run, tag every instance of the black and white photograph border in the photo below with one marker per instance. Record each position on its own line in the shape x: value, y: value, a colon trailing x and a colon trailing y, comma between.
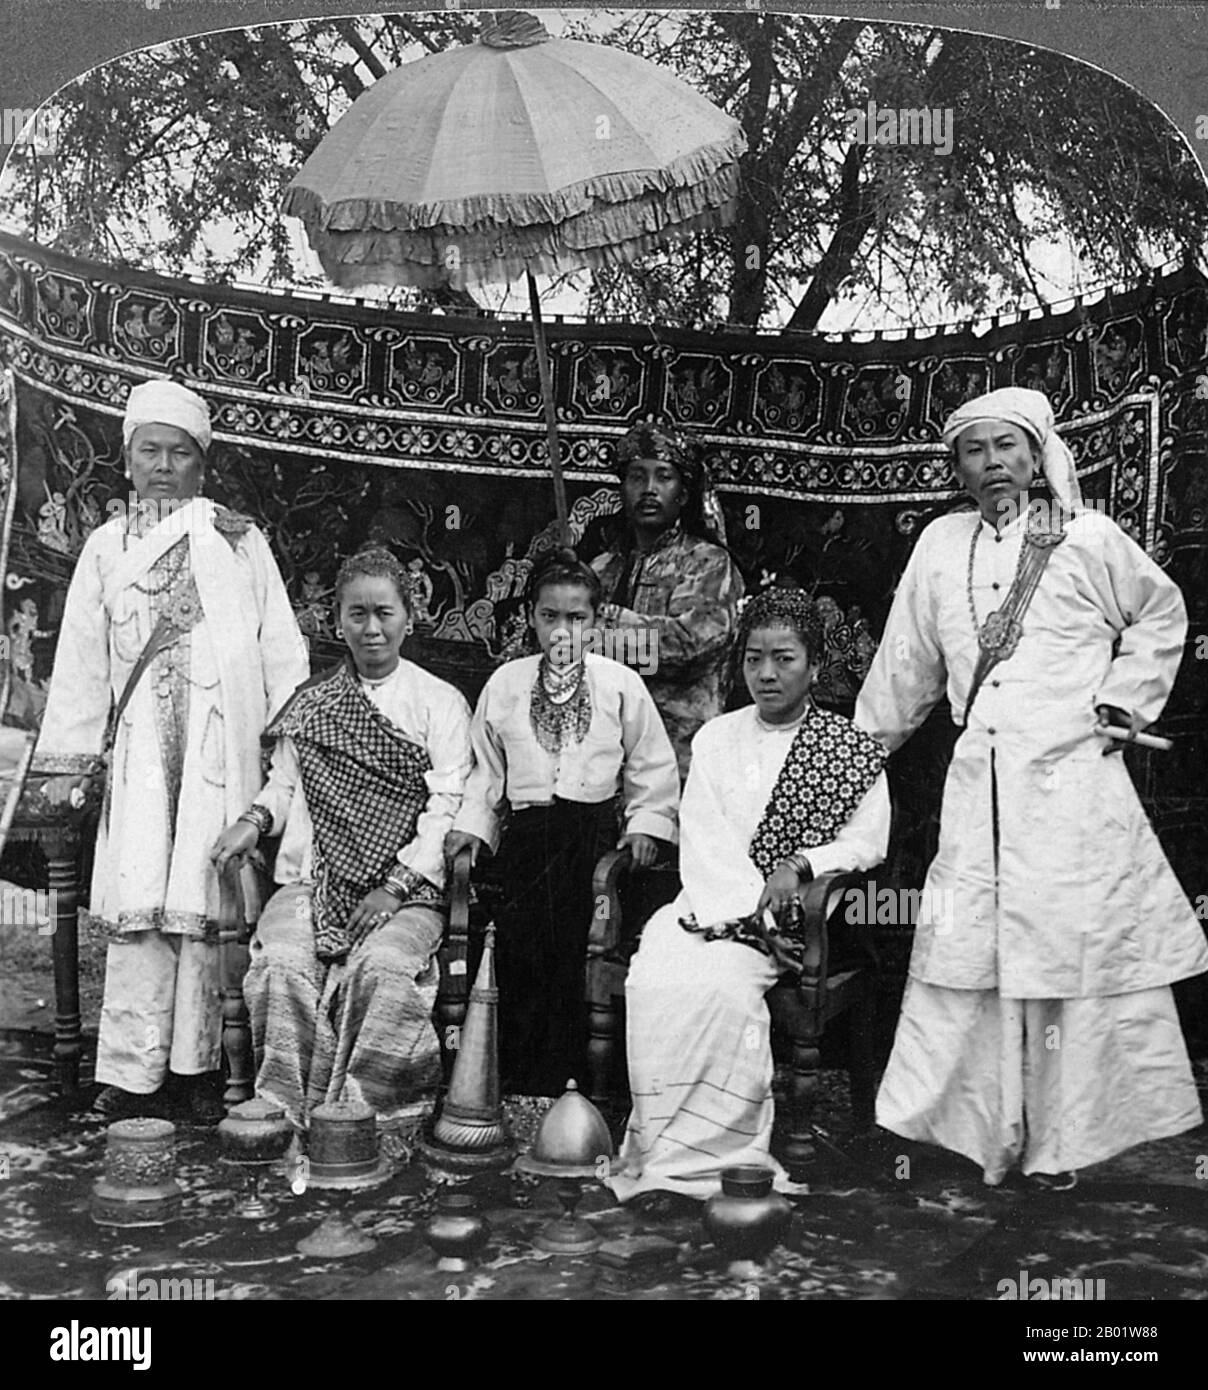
x: 780, y: 297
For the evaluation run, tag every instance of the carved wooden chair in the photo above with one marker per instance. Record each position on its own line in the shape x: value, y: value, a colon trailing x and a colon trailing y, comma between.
x: 839, y: 977
x: 234, y: 939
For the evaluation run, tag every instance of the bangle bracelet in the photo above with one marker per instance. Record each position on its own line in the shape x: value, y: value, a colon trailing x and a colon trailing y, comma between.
x: 259, y: 816
x: 800, y: 865
x: 401, y: 883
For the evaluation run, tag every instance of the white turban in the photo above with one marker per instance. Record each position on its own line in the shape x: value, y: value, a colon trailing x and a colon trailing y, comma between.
x: 163, y: 402
x: 1031, y: 412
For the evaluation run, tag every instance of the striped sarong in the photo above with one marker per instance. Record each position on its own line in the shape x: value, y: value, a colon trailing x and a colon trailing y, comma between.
x: 359, y: 1029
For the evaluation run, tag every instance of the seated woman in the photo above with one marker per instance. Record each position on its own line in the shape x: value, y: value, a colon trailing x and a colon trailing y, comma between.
x: 777, y: 792
x: 556, y: 737
x: 366, y: 777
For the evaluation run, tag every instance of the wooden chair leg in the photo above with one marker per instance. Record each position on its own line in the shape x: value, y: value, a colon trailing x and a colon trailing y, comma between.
x: 799, y: 1148
x: 62, y: 881
x: 861, y: 1064
x: 234, y: 957
x: 450, y: 1019
x: 236, y: 1025
x: 603, y: 1018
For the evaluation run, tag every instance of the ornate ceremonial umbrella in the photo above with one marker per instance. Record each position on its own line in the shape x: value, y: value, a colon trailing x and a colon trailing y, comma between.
x: 515, y: 155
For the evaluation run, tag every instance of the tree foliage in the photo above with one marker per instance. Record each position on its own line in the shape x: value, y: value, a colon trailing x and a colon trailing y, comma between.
x: 175, y: 158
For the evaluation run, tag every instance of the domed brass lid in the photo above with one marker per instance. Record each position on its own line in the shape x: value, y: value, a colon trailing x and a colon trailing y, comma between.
x: 571, y: 1140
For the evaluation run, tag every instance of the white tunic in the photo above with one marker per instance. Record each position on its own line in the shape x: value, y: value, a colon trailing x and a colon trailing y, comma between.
x: 1060, y: 888
x: 736, y: 759
x: 246, y: 656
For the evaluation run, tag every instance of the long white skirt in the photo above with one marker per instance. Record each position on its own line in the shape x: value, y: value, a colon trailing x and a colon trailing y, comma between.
x: 1048, y: 1085
x: 700, y: 1061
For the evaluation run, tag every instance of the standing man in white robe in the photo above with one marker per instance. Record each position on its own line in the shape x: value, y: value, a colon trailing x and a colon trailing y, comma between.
x: 1038, y: 1028
x: 177, y: 644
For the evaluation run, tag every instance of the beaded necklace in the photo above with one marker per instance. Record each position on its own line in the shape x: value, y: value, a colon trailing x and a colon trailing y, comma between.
x: 560, y: 708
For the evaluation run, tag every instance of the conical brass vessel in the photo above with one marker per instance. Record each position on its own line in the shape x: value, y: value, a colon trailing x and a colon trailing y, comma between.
x: 470, y: 1131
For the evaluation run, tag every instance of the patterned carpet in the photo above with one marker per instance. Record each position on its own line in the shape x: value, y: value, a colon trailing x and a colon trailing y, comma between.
x: 1138, y: 1223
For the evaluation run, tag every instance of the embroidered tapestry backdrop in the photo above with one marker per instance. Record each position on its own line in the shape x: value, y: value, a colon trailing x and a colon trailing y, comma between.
x: 335, y: 422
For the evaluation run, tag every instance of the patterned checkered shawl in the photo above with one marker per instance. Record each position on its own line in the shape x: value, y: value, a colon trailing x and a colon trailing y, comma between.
x: 829, y: 769
x: 365, y: 788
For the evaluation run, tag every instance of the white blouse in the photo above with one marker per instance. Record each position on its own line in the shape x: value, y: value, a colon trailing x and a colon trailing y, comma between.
x: 736, y: 759
x: 626, y: 749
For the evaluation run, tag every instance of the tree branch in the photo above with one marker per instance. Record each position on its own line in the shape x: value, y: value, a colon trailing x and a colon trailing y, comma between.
x: 764, y: 168
x: 857, y: 209
x: 856, y: 212
x: 347, y: 30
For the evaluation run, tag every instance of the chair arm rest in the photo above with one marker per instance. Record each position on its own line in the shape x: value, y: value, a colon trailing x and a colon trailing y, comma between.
x: 454, y: 951
x: 824, y: 893
x: 606, y: 922
x: 819, y: 901
x: 233, y: 927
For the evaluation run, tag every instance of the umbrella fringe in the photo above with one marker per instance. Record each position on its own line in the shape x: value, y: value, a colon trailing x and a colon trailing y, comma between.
x: 493, y: 253
x: 517, y: 209
x: 352, y: 260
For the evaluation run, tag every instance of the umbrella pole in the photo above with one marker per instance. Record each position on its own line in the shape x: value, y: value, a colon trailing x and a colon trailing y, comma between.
x: 547, y: 399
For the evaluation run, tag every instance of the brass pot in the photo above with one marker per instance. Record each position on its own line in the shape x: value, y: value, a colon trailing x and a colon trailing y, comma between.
x: 342, y: 1148
x: 746, y: 1219
x: 456, y: 1232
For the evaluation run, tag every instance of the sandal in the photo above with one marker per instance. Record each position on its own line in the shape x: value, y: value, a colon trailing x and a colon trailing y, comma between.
x: 1053, y: 1182
x: 663, y: 1206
